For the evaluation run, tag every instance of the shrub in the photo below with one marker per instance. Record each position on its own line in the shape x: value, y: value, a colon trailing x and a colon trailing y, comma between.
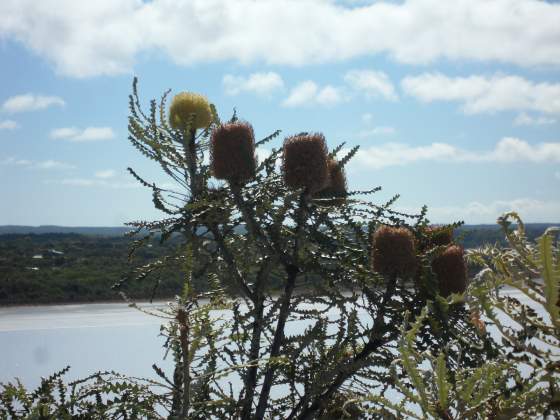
x: 522, y: 381
x: 307, y: 321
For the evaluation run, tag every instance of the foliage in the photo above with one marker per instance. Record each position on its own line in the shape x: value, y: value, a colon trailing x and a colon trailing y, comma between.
x: 94, y: 261
x: 297, y: 323
x: 78, y: 268
x: 521, y: 383
x: 99, y: 396
x: 335, y: 319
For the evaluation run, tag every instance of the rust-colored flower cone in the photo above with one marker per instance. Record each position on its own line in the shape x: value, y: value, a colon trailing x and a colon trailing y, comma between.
x: 393, y: 251
x: 433, y: 236
x: 232, y: 152
x: 336, y: 185
x: 450, y: 270
x: 439, y: 236
x: 305, y: 162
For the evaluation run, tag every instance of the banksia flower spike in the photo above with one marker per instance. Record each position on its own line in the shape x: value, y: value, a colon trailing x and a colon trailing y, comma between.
x: 336, y: 184
x: 393, y: 252
x: 232, y: 152
x: 184, y: 105
x: 439, y: 236
x: 450, y: 270
x: 305, y: 162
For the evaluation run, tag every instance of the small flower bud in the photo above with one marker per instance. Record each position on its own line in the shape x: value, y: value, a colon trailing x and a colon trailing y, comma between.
x: 305, y: 162
x: 393, y: 251
x: 336, y: 185
x: 232, y: 152
x: 184, y: 105
x: 450, y: 270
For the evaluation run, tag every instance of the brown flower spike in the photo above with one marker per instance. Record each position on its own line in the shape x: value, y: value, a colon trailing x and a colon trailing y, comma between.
x: 439, y: 235
x: 393, y: 251
x: 305, y: 162
x: 450, y: 270
x: 336, y: 184
x: 232, y: 152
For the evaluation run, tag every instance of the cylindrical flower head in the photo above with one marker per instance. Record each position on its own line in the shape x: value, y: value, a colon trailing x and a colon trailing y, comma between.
x: 393, y: 251
x: 232, y: 152
x: 450, y: 270
x: 185, y: 104
x: 439, y: 236
x: 336, y: 184
x: 305, y: 162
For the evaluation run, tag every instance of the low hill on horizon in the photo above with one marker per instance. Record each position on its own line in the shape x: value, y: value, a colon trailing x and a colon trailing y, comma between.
x: 81, y: 230
x: 121, y: 230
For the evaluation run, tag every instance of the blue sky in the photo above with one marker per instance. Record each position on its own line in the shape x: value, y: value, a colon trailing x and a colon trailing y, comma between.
x: 455, y: 104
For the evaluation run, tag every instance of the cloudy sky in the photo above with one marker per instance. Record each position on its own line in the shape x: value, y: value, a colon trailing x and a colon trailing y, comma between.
x: 456, y: 104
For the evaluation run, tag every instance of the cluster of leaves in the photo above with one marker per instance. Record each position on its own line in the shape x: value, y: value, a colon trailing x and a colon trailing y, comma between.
x: 77, y: 268
x: 335, y: 320
x: 522, y: 382
x: 99, y: 396
x: 332, y: 332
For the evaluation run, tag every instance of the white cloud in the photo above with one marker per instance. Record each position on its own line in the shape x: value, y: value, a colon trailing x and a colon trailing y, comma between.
x: 367, y: 118
x: 507, y: 150
x: 30, y: 102
x: 531, y: 210
x: 45, y: 164
x: 53, y: 164
x: 12, y: 161
x: 87, y: 182
x: 8, y: 125
x: 308, y: 93
x: 481, y: 94
x: 87, y: 134
x: 258, y: 83
x: 371, y: 83
x: 526, y: 119
x: 108, y: 173
x: 106, y: 36
x: 376, y: 131
x: 329, y: 96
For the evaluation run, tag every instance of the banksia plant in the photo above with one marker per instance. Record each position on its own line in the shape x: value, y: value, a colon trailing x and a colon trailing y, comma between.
x: 184, y: 106
x: 450, y: 270
x: 232, y: 152
x: 439, y: 235
x: 305, y: 160
x: 215, y: 212
x: 393, y: 252
x: 336, y: 184
x: 341, y: 407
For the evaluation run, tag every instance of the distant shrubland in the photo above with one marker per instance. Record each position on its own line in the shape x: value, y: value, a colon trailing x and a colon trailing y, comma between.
x: 82, y: 267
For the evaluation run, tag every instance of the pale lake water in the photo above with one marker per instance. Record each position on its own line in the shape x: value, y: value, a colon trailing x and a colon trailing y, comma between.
x: 37, y: 341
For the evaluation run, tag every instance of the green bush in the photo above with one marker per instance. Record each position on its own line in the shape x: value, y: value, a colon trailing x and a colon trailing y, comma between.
x: 296, y: 313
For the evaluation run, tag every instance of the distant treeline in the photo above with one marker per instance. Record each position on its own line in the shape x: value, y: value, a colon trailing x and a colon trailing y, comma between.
x: 60, y: 267
x: 78, y: 267
x: 82, y: 230
x: 474, y: 236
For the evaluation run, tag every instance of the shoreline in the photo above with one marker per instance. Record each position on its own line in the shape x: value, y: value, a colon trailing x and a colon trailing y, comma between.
x: 83, y: 302
x: 157, y: 301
